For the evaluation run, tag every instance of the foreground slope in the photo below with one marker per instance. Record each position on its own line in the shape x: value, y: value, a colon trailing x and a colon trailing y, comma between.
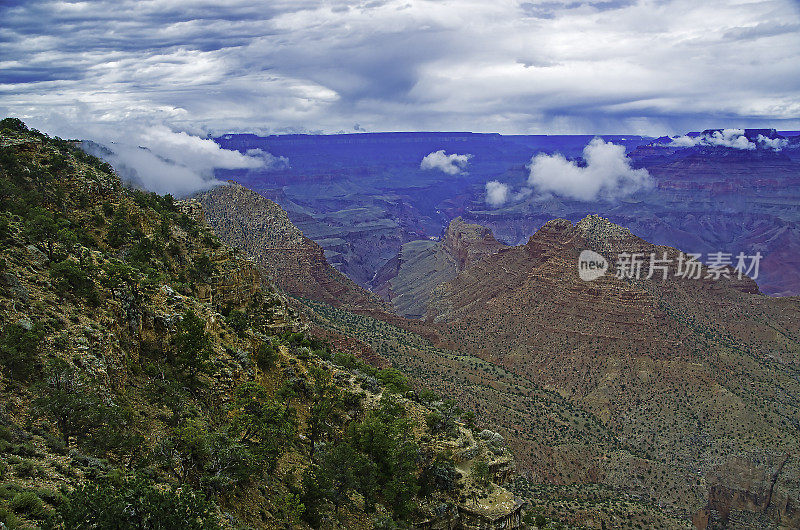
x: 152, y: 379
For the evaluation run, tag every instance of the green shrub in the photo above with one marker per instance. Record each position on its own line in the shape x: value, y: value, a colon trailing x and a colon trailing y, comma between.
x: 394, y: 380
x: 480, y: 472
x: 239, y: 321
x: 443, y: 420
x: 136, y: 505
x: 71, y: 277
x: 28, y: 503
x: 385, y: 437
x: 13, y: 125
x: 192, y: 345
x: 266, y: 356
x: 18, y: 350
x: 428, y: 396
x: 440, y: 474
x: 203, y: 268
x: 25, y: 469
x: 80, y: 411
x: 26, y: 449
x: 120, y: 229
x: 6, y: 434
x: 52, y: 497
x: 266, y: 425
x: 8, y: 518
x: 55, y: 444
x: 210, y: 459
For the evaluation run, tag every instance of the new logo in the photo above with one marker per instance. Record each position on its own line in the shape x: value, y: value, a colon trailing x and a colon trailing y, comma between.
x: 591, y: 265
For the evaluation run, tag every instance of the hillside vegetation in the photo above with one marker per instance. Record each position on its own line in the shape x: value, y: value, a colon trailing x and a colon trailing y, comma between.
x: 151, y: 379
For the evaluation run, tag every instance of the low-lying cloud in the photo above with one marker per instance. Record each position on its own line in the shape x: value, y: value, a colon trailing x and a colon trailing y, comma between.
x: 159, y: 159
x: 497, y: 193
x: 450, y: 164
x: 607, y: 174
x: 733, y: 138
x: 776, y: 144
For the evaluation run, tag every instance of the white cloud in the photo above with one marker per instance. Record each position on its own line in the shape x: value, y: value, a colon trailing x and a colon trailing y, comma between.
x: 497, y: 193
x: 270, y: 161
x: 733, y: 138
x: 193, y: 151
x: 606, y: 175
x: 166, y: 161
x: 450, y: 164
x: 558, y: 66
x: 776, y: 144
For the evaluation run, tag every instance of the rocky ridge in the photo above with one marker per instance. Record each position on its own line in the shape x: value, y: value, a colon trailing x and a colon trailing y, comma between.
x: 539, y: 425
x: 695, y: 375
x: 258, y: 226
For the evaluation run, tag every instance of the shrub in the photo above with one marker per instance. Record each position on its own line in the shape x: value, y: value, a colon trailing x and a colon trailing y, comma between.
x: 52, y: 497
x: 26, y: 449
x: 69, y: 276
x: 238, y: 320
x: 263, y: 423
x: 385, y: 438
x: 394, y: 380
x: 78, y: 410
x: 120, y: 229
x: 203, y: 268
x: 266, y: 355
x: 25, y: 469
x: 469, y: 419
x: 428, y: 396
x: 28, y: 503
x: 136, y: 504
x: 480, y: 472
x: 204, y: 457
x: 440, y: 474
x: 18, y: 349
x: 192, y: 345
x: 13, y: 124
x: 443, y: 420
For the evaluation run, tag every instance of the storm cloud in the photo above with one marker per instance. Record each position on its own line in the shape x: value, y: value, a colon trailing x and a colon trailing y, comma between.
x: 651, y: 66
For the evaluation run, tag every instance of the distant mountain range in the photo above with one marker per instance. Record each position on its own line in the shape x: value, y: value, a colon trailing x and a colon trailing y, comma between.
x: 361, y: 197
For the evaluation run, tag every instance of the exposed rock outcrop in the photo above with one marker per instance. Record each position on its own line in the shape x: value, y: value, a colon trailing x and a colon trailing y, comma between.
x: 248, y: 221
x: 408, y: 280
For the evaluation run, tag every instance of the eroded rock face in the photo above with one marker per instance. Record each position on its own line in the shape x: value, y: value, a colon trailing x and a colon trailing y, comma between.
x: 408, y: 280
x: 469, y: 243
x: 756, y: 489
x: 246, y: 220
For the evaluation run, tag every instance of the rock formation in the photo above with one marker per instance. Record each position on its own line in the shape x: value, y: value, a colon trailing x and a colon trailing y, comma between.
x: 695, y: 373
x: 248, y: 221
x: 408, y: 280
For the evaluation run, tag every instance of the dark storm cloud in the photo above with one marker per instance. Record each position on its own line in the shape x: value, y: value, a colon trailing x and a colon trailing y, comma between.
x: 651, y: 66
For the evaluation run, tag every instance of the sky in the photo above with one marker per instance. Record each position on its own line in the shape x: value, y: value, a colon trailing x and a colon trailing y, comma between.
x: 123, y: 68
